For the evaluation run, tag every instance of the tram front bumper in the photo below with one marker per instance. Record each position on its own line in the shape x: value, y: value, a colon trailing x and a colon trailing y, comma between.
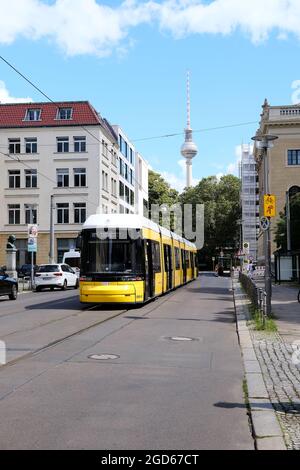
x: 111, y: 293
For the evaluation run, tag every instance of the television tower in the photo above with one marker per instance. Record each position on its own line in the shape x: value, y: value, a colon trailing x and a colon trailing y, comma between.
x: 189, y: 149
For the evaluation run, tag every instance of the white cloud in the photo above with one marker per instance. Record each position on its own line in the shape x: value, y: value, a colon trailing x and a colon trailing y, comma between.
x: 178, y: 182
x: 233, y: 168
x: 90, y: 27
x: 5, y: 97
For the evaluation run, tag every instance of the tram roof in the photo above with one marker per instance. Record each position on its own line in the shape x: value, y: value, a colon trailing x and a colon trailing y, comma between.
x: 130, y: 221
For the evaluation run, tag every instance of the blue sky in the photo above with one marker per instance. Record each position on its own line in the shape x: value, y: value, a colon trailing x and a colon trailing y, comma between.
x: 129, y: 60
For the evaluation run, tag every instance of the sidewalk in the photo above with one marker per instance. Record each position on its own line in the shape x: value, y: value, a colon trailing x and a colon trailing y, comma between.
x: 275, y: 353
x: 286, y: 310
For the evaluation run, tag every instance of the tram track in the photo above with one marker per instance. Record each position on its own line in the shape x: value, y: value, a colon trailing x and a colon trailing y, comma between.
x: 158, y: 302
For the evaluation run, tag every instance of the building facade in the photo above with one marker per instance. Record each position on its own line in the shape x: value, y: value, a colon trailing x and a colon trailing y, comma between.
x: 249, y: 201
x: 283, y: 159
x: 65, y: 150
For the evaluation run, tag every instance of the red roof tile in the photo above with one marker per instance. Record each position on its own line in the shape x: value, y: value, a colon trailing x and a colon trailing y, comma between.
x: 13, y: 115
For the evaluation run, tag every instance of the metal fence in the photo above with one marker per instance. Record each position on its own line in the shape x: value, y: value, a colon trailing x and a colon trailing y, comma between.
x: 257, y: 296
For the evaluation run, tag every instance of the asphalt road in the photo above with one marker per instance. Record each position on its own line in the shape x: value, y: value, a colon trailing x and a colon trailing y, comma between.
x: 161, y: 391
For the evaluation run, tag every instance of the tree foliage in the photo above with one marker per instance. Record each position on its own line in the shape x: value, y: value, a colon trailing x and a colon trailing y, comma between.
x: 221, y: 199
x: 160, y: 192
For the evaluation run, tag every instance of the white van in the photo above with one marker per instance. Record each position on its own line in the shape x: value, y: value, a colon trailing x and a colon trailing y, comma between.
x: 72, y: 258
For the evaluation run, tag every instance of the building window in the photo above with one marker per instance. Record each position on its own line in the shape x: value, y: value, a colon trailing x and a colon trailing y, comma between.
x: 64, y: 114
x: 114, y: 158
x: 14, y: 179
x: 14, y: 145
x: 104, y: 181
x: 31, y: 145
x: 131, y: 176
x: 131, y: 157
x: 31, y: 178
x: 122, y: 210
x: 131, y: 198
x: 62, y: 144
x: 125, y: 150
x: 121, y: 167
x: 121, y: 144
x: 79, y: 213
x: 30, y: 214
x: 113, y: 187
x: 121, y: 190
x: 293, y: 157
x: 127, y: 195
x: 62, y: 213
x: 79, y: 177
x: 79, y: 144
x: 126, y: 172
x: 62, y: 176
x: 33, y: 115
x: 14, y: 213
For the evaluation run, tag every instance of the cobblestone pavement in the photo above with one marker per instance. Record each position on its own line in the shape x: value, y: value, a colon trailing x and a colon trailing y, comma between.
x: 280, y: 364
x: 282, y: 379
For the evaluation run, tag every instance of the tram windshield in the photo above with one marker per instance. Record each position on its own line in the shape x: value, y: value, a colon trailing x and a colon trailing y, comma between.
x: 111, y: 256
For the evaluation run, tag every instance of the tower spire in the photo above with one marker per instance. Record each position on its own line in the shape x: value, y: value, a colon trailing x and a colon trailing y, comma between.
x: 188, y: 100
x: 189, y: 149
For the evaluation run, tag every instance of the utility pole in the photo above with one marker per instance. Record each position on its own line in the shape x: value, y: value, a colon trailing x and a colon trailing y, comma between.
x: 52, y: 208
x: 265, y: 142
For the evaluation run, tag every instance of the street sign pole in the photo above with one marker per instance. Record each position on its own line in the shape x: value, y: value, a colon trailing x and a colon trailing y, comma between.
x: 267, y: 241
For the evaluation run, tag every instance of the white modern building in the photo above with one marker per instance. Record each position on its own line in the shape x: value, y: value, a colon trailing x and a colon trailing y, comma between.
x: 65, y: 150
x: 249, y: 200
x: 141, y: 186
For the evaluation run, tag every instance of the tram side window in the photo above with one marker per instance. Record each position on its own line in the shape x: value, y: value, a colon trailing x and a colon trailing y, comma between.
x: 192, y: 261
x: 156, y: 257
x: 187, y: 259
x: 177, y: 258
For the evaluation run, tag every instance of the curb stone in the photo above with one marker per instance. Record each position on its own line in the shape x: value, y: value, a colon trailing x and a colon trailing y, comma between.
x: 267, y: 432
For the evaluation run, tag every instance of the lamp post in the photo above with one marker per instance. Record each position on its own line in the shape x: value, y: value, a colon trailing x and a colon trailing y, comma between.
x: 265, y: 142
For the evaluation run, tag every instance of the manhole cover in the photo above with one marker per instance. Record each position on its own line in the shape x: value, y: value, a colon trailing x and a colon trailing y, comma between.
x: 103, y: 357
x: 181, y: 338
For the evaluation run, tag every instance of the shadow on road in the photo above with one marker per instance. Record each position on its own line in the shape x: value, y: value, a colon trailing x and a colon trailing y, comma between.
x: 211, y: 290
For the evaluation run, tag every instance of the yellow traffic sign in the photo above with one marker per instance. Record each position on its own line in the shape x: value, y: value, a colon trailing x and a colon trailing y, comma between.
x: 269, y: 205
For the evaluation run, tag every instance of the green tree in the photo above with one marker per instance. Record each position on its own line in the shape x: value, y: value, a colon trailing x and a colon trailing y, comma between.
x: 160, y: 192
x: 221, y: 199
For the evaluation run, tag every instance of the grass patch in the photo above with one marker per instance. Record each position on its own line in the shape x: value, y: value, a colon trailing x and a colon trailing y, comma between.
x: 260, y: 324
x: 245, y: 391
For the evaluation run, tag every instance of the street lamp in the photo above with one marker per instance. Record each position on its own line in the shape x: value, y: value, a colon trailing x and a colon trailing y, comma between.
x: 265, y: 142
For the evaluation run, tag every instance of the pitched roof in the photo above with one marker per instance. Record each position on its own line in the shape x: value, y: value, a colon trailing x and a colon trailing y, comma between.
x: 13, y: 115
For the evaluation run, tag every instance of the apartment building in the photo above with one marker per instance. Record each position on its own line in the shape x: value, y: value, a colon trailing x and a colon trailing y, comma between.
x: 249, y: 200
x: 127, y: 175
x: 283, y: 158
x: 64, y: 149
x: 141, y: 185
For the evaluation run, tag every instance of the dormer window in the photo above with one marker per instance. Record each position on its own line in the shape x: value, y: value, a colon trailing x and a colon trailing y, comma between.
x: 33, y: 115
x: 64, y: 114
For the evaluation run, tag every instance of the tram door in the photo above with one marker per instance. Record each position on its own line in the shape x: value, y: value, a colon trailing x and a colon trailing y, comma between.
x: 149, y: 275
x: 168, y: 265
x: 183, y: 262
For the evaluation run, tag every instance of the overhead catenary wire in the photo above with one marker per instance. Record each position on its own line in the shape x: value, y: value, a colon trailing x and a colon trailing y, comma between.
x: 37, y: 88
x: 17, y: 159
x: 55, y: 103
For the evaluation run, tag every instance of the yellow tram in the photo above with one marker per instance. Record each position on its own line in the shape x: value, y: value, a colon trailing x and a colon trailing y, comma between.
x: 130, y: 259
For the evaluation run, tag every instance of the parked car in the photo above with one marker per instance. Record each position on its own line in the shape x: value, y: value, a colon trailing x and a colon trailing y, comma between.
x: 55, y: 275
x: 25, y: 270
x: 8, y: 286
